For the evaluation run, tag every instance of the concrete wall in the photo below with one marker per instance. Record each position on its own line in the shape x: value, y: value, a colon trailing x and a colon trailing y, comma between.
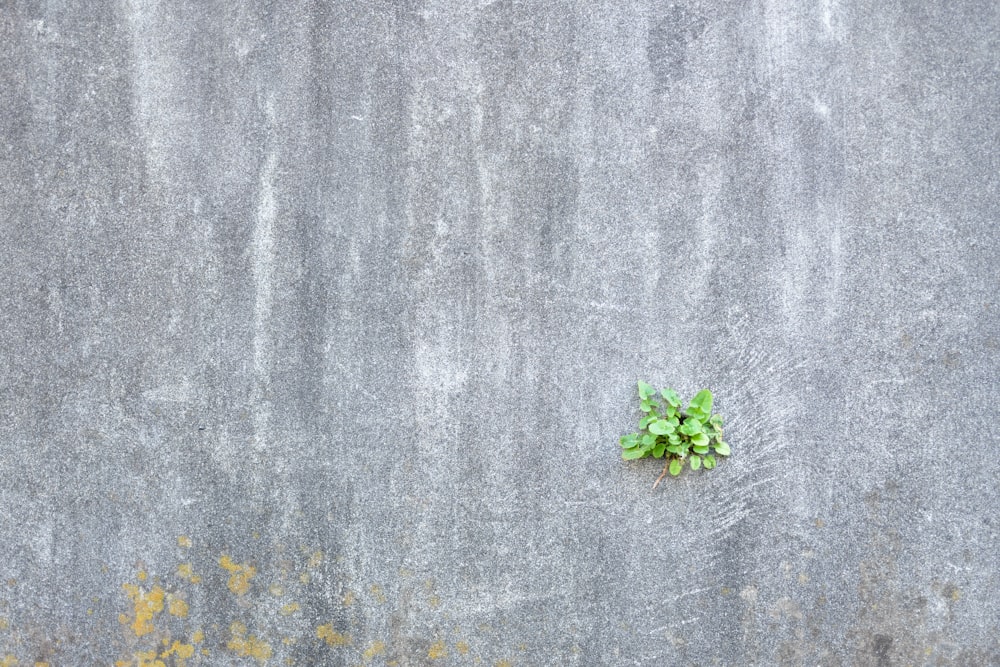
x: 320, y: 321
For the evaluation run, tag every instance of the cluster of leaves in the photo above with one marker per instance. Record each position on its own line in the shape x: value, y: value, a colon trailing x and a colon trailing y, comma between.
x: 665, y: 430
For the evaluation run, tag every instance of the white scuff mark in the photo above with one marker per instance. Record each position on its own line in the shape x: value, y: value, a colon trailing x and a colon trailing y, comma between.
x: 828, y: 16
x: 681, y: 622
x: 180, y: 392
x: 263, y: 275
x: 821, y: 108
x: 690, y: 593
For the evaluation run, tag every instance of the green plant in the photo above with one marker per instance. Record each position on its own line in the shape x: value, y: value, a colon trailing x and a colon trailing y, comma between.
x: 665, y: 430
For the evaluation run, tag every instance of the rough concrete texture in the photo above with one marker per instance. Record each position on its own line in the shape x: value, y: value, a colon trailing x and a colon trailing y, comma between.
x: 321, y: 321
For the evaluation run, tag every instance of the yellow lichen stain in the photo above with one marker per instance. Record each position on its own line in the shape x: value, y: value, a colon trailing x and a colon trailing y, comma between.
x: 186, y: 571
x: 332, y: 637
x: 41, y: 664
x: 377, y: 648
x: 276, y: 590
x: 304, y: 578
x: 148, y: 659
x: 405, y: 572
x: 177, y: 607
x: 181, y: 651
x: 377, y: 593
x: 290, y: 608
x: 141, y: 575
x: 349, y: 598
x: 198, y: 637
x: 437, y: 650
x: 434, y: 602
x: 8, y: 661
x: 315, y: 559
x: 4, y: 624
x: 184, y: 541
x: 255, y: 534
x: 462, y: 647
x: 820, y: 523
x: 239, y: 574
x: 247, y: 646
x: 146, y: 605
x: 503, y: 663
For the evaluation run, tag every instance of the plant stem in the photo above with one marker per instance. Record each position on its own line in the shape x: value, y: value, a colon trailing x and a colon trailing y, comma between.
x: 662, y: 474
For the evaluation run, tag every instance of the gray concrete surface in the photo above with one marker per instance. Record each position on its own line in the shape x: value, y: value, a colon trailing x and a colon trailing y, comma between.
x: 320, y: 322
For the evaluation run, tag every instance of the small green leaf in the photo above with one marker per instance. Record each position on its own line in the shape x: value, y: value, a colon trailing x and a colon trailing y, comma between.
x: 674, y: 439
x: 629, y: 441
x: 716, y: 421
x: 675, y: 467
x: 722, y: 448
x: 671, y: 397
x: 709, y: 461
x: 690, y: 427
x: 645, y: 421
x: 701, y: 403
x: 700, y: 439
x: 675, y: 449
x: 661, y: 427
x: 658, y: 450
x: 695, y: 462
x: 645, y: 406
x: 645, y: 391
x: 634, y: 453
x: 700, y: 449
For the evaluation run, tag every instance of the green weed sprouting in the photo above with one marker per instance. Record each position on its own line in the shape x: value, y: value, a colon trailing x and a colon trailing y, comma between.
x: 679, y: 435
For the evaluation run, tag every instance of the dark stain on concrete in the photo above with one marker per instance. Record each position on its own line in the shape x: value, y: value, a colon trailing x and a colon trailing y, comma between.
x: 670, y: 38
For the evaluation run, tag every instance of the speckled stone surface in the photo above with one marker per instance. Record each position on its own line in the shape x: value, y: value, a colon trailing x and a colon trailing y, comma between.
x: 320, y: 321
